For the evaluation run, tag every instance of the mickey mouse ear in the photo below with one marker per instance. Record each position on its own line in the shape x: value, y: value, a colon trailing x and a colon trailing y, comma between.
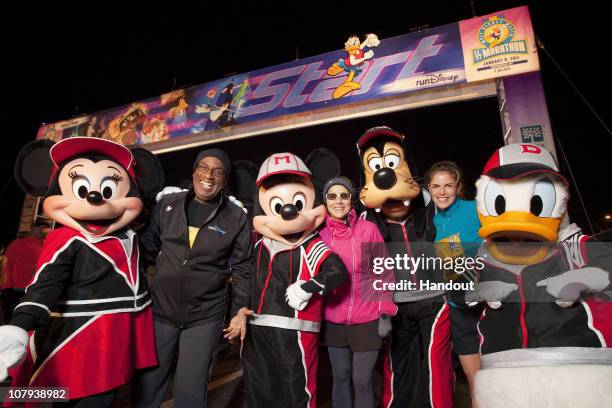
x: 242, y: 182
x: 324, y: 165
x: 149, y: 172
x: 33, y: 167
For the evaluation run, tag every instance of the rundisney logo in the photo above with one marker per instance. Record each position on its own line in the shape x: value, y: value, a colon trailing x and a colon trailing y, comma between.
x: 436, y: 78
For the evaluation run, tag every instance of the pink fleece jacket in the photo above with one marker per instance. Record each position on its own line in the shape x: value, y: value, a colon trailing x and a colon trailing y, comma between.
x: 356, y: 301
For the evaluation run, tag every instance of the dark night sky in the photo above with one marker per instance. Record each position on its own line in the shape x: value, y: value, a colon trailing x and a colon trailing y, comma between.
x: 58, y: 63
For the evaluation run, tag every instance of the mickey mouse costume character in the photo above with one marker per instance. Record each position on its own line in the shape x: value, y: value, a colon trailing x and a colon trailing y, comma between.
x: 547, y: 328
x: 418, y: 368
x: 294, y: 268
x: 88, y: 302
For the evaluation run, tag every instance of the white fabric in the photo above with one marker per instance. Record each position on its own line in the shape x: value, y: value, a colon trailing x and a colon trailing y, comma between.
x: 13, y: 343
x: 297, y: 297
x: 166, y: 191
x: 580, y: 385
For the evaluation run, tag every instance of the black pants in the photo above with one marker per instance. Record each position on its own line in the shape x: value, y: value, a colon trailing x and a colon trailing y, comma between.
x: 102, y: 400
x: 280, y: 367
x: 195, y: 354
x: 418, y: 368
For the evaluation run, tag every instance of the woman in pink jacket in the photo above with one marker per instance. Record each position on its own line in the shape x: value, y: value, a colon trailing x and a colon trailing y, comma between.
x: 356, y: 315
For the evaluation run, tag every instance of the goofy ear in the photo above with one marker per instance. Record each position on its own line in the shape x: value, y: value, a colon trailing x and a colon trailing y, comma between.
x: 33, y: 167
x: 149, y: 173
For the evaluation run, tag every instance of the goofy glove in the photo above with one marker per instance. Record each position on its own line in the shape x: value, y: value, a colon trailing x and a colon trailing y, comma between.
x: 568, y: 286
x: 384, y: 325
x: 13, y: 343
x: 492, y: 292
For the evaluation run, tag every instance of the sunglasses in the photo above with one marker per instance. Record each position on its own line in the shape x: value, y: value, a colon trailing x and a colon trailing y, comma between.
x: 333, y: 196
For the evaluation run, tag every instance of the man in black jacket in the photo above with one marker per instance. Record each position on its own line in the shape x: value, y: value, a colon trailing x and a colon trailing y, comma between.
x: 201, y: 239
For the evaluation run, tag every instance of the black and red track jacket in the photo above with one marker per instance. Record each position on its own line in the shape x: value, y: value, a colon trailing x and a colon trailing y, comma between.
x: 279, y: 265
x: 529, y: 316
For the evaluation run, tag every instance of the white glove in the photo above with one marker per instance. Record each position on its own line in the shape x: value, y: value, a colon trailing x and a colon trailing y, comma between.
x: 297, y: 297
x: 13, y: 343
x: 568, y: 286
x: 492, y: 292
x: 166, y: 191
x: 384, y: 325
x: 238, y: 203
x: 372, y: 40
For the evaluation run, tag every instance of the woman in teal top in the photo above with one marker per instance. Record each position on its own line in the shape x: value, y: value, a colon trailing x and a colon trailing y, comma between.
x: 457, y: 225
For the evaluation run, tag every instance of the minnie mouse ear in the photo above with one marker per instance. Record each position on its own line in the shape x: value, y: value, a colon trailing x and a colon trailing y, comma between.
x: 149, y: 173
x: 324, y: 165
x: 33, y: 167
x: 242, y: 182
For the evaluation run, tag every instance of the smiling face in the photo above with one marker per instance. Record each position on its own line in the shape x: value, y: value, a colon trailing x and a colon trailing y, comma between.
x: 208, y: 179
x: 338, y: 202
x: 389, y: 185
x: 443, y: 188
x: 93, y: 197
x: 288, y: 203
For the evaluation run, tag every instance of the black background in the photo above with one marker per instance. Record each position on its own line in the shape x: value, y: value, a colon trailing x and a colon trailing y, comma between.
x: 60, y: 61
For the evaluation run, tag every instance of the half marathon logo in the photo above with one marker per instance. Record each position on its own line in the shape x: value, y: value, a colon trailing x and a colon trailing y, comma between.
x: 496, y: 34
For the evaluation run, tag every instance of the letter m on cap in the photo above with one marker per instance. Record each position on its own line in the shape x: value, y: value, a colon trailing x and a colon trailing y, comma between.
x: 279, y: 159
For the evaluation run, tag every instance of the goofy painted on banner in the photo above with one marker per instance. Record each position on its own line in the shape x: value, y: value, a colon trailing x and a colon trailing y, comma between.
x: 88, y: 303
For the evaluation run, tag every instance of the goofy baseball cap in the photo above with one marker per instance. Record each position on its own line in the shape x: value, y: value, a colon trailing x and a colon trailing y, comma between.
x: 376, y: 132
x: 282, y: 163
x: 520, y: 159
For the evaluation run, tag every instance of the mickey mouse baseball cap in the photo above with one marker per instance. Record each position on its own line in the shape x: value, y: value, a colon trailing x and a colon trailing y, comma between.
x: 521, y: 159
x: 282, y: 163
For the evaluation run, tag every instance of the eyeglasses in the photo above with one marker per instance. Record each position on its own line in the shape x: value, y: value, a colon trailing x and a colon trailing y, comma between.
x: 333, y: 196
x: 216, y: 172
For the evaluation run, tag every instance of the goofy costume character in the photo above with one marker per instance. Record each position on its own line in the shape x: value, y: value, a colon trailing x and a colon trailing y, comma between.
x: 418, y: 368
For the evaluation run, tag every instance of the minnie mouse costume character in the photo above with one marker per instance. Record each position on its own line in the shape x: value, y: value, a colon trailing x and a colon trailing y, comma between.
x: 88, y: 302
x: 294, y: 268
